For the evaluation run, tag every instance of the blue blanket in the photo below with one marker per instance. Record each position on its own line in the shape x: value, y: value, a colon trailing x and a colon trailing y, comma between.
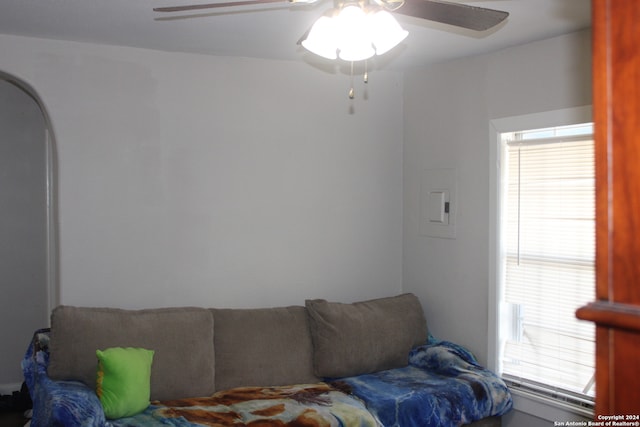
x: 57, y: 403
x: 443, y: 386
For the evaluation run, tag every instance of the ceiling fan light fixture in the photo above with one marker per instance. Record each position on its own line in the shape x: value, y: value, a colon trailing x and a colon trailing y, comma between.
x: 353, y: 34
x: 386, y: 32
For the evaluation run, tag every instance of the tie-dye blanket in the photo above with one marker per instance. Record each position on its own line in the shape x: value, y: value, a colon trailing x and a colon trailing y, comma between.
x: 299, y: 405
x: 443, y: 386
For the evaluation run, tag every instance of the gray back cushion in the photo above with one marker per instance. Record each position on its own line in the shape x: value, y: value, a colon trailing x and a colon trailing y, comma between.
x: 262, y: 347
x: 364, y: 337
x: 182, y: 338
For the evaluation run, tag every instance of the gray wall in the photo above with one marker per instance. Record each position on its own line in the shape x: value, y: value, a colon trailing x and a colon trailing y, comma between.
x: 448, y: 109
x: 197, y: 180
x: 23, y: 219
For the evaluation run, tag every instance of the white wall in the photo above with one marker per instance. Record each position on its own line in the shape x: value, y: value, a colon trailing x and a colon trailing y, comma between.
x: 209, y: 181
x: 448, y: 109
x: 23, y: 229
x: 187, y: 179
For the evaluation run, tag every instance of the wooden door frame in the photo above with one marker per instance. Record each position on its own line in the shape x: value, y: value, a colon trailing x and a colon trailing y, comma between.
x: 616, y: 106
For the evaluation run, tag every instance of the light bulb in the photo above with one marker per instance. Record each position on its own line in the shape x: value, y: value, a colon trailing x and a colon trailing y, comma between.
x: 354, y: 40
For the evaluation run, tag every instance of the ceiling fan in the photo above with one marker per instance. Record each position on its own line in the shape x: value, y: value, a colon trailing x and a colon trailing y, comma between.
x: 356, y: 30
x: 457, y: 14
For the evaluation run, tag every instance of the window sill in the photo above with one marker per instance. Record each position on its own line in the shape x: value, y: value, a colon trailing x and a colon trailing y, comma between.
x: 547, y: 408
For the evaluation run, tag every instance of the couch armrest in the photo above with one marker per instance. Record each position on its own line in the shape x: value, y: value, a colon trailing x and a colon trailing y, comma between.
x: 57, y: 403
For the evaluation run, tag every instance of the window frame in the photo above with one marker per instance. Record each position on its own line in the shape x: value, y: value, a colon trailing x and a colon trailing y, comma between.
x: 539, y: 406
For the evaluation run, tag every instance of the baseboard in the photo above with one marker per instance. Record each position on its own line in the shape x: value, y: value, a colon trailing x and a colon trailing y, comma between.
x: 9, y: 388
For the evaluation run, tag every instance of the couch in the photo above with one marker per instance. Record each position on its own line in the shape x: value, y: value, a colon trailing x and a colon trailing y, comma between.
x: 367, y: 363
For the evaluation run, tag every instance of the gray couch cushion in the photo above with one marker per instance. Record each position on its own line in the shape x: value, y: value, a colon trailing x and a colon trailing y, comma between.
x: 182, y: 338
x: 364, y: 337
x: 262, y: 347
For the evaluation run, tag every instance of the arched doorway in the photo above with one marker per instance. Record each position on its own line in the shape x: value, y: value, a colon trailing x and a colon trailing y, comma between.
x: 28, y: 273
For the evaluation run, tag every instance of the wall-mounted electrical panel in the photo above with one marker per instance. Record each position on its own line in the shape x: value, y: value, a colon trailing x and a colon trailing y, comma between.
x: 438, y: 189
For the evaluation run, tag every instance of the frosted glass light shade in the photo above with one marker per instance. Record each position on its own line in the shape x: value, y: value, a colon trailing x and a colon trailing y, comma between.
x: 354, y: 38
x: 385, y: 31
x: 353, y: 35
x: 322, y: 38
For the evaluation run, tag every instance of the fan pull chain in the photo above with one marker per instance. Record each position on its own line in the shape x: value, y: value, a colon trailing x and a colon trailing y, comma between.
x: 365, y: 78
x: 351, y: 92
x: 366, y: 71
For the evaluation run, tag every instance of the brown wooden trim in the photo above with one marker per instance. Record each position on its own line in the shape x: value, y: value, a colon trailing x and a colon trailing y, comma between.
x: 614, y: 315
x: 604, y: 390
x: 601, y: 87
x: 616, y: 106
x: 623, y: 132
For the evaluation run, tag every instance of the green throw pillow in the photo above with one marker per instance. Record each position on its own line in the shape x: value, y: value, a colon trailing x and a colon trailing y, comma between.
x: 124, y: 380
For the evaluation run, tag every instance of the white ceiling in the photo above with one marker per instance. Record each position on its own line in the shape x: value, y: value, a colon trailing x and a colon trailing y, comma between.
x: 272, y: 30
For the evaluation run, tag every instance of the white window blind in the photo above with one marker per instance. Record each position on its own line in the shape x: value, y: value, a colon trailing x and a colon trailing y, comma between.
x: 548, y: 260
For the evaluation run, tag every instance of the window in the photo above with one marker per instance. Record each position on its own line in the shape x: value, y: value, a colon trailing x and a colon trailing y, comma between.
x: 546, y: 266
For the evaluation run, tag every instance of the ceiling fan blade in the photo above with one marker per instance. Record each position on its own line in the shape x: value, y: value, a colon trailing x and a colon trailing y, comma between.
x: 214, y: 5
x: 460, y: 15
